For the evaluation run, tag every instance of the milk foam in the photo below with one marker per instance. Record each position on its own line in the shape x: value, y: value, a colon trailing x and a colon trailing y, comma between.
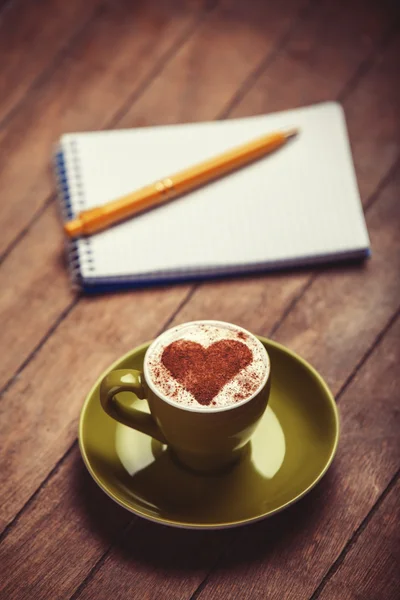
x: 241, y: 387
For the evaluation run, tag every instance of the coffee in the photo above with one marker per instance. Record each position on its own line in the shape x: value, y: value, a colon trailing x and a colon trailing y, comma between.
x: 207, y: 364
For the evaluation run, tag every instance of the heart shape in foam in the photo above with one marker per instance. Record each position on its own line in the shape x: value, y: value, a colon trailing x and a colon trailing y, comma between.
x: 204, y: 371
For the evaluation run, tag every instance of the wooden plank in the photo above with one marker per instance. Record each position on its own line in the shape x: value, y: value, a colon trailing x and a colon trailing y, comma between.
x: 370, y: 569
x: 282, y: 557
x: 229, y: 47
x: 31, y: 38
x: 86, y: 91
x: 374, y: 123
x: 313, y: 60
x: 92, y: 532
x: 35, y: 292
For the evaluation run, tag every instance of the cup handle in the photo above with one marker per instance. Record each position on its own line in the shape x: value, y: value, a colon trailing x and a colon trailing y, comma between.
x: 127, y: 380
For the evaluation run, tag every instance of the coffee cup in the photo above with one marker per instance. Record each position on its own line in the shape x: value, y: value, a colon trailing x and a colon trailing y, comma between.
x: 207, y: 386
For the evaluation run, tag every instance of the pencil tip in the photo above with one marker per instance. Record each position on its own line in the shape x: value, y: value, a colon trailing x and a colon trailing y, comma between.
x: 291, y: 133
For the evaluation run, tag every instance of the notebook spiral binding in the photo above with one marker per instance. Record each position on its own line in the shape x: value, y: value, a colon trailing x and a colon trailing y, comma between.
x: 72, y: 201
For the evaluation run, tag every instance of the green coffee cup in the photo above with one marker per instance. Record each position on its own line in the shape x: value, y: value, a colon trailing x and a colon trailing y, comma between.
x: 205, y: 439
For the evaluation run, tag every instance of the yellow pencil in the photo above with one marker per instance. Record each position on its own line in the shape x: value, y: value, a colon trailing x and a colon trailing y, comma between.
x: 96, y: 219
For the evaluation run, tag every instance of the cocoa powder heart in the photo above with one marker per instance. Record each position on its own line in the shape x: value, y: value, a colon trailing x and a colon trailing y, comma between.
x: 205, y: 371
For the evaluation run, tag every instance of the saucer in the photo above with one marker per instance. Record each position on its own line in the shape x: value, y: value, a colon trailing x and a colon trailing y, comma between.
x: 290, y: 451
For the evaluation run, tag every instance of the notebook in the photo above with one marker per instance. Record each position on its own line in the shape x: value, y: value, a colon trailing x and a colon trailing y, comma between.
x: 297, y: 206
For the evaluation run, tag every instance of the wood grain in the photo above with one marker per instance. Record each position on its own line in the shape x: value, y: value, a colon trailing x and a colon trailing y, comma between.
x: 86, y: 91
x: 3, y: 5
x: 39, y: 296
x: 32, y: 35
x: 336, y: 39
x: 207, y: 71
x: 376, y: 146
x: 88, y: 529
x: 374, y: 573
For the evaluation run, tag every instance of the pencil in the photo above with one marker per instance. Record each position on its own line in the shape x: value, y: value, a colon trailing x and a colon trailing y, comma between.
x: 99, y: 218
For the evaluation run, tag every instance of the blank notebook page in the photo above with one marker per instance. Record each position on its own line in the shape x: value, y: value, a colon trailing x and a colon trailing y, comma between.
x: 295, y: 206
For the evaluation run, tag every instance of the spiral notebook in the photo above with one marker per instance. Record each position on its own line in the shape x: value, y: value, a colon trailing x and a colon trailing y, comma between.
x: 297, y: 206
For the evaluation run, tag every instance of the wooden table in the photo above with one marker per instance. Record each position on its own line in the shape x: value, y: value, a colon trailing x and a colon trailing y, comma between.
x: 77, y: 65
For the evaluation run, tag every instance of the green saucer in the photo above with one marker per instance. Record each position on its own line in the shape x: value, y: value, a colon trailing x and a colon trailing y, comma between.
x: 290, y: 451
